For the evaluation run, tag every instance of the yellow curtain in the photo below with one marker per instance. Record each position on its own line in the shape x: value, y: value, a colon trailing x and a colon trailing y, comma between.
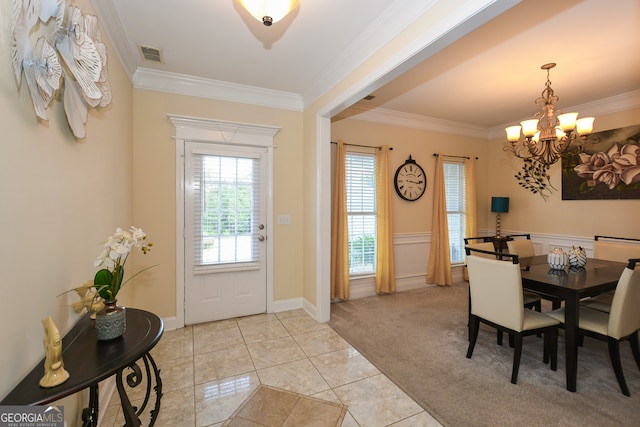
x: 339, y: 231
x: 385, y: 264
x: 471, y: 227
x: 439, y: 266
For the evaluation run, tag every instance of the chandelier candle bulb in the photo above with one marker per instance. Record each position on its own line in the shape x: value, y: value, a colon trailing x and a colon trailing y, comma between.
x: 536, y: 137
x: 529, y: 127
x: 513, y: 133
x: 568, y: 121
x: 585, y: 125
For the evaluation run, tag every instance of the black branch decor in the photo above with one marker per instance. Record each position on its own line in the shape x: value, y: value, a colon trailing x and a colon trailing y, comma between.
x: 534, y: 177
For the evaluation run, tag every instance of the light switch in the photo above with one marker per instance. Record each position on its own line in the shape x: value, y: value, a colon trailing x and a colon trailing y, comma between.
x: 284, y: 219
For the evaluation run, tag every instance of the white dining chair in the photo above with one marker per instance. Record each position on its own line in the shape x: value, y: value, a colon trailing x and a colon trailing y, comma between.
x: 486, y: 250
x: 497, y: 300
x: 618, y: 249
x: 524, y: 248
x: 615, y: 248
x: 521, y: 247
x: 620, y: 324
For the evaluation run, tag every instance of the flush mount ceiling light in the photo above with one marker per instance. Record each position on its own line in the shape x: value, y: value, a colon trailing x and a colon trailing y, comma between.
x: 269, y: 11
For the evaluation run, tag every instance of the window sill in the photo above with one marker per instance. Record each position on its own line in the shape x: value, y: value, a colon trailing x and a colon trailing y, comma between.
x: 362, y: 276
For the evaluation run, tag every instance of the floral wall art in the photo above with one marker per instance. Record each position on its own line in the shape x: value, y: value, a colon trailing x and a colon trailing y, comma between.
x: 59, y: 49
x: 608, y: 168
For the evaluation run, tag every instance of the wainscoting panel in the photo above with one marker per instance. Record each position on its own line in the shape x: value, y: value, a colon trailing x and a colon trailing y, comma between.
x: 412, y: 252
x: 545, y: 243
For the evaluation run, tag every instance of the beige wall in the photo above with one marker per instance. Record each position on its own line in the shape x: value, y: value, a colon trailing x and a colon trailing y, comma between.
x: 585, y: 218
x: 495, y: 177
x: 414, y: 217
x: 155, y: 189
x: 425, y: 32
x: 60, y: 199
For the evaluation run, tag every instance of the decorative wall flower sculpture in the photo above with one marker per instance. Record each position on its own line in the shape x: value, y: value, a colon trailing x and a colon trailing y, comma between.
x: 68, y: 55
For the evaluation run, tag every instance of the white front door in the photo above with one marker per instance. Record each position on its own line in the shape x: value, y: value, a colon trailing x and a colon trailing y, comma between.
x: 225, y: 231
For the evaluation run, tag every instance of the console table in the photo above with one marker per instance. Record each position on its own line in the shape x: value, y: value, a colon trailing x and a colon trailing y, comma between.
x: 90, y: 361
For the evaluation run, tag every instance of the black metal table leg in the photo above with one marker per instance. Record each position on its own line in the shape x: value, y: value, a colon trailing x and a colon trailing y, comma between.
x: 134, y: 379
x: 90, y: 413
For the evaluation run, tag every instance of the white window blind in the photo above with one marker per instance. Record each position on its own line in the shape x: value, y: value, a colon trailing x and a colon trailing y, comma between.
x: 455, y: 196
x: 360, y: 184
x: 226, y: 208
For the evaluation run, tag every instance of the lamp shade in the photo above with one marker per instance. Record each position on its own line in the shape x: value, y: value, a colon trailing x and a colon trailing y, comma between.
x: 269, y: 11
x: 499, y: 204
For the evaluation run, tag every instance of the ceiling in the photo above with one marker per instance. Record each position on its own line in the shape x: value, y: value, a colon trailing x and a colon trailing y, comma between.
x: 488, y: 78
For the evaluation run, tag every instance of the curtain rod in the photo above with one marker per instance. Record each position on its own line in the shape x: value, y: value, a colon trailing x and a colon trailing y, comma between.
x: 359, y: 145
x: 449, y: 155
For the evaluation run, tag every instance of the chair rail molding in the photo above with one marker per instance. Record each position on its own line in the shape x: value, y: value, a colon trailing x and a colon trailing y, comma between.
x: 544, y: 243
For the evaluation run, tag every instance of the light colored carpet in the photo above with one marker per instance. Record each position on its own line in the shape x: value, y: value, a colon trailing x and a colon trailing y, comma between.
x: 419, y: 340
x: 272, y: 406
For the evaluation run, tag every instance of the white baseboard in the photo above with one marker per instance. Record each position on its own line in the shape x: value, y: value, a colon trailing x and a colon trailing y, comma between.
x: 457, y: 273
x: 171, y: 323
x: 288, y: 304
x: 361, y: 288
x: 410, y: 282
x: 309, y: 308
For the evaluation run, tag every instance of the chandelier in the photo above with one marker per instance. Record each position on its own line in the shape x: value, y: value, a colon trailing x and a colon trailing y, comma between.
x: 549, y: 133
x: 269, y: 11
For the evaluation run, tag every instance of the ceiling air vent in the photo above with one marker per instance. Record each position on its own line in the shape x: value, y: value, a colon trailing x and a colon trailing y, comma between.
x: 151, y: 54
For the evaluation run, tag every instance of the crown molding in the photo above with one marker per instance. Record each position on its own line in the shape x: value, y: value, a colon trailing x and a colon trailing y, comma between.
x: 145, y: 78
x: 380, y: 32
x: 614, y: 104
x: 111, y: 25
x: 416, y: 121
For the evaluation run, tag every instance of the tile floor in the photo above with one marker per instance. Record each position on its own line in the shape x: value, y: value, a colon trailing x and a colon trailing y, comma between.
x: 277, y: 407
x: 209, y: 370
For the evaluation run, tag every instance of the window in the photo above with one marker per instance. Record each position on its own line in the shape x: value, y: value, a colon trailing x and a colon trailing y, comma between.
x: 225, y: 207
x: 455, y: 195
x: 360, y: 182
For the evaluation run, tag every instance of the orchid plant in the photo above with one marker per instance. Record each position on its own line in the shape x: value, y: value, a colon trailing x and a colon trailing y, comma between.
x: 108, y: 280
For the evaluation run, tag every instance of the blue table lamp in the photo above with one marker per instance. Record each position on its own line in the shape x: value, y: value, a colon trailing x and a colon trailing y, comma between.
x: 499, y: 205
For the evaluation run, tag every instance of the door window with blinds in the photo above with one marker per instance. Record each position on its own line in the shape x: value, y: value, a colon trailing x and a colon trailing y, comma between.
x: 226, y: 210
x: 360, y: 182
x: 455, y: 196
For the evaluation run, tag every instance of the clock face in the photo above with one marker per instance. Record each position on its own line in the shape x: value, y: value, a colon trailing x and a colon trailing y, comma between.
x: 410, y: 181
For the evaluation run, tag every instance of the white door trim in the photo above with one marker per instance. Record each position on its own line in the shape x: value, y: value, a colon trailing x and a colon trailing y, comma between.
x: 223, y: 132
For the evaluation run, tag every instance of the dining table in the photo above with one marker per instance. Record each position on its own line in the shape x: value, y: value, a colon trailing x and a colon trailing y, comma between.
x: 570, y: 284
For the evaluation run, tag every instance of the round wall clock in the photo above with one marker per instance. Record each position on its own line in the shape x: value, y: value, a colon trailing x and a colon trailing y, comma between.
x: 410, y: 180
